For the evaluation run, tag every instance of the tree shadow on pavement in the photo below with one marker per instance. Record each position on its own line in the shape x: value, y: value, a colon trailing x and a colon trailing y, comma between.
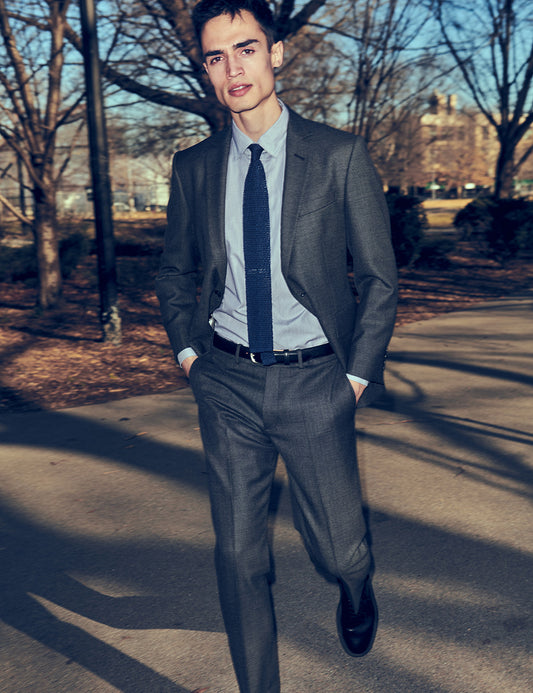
x: 40, y: 558
x: 431, y: 582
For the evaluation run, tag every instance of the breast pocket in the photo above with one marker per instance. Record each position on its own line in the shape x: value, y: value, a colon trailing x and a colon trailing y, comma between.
x: 316, y: 204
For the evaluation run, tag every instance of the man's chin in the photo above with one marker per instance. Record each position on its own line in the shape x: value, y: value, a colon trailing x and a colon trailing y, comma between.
x: 240, y: 107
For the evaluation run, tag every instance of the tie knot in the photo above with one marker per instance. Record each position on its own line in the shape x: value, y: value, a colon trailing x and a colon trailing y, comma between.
x: 256, y: 150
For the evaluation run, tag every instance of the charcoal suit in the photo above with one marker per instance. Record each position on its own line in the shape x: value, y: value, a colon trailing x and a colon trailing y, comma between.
x: 333, y: 206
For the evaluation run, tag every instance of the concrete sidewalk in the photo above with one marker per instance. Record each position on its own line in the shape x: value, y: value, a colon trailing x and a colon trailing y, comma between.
x: 106, y: 577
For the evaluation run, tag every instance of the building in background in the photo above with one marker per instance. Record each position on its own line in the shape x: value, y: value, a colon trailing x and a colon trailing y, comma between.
x: 459, y: 148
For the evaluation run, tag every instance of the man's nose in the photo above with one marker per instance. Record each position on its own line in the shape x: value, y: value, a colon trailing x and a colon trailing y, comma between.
x: 233, y: 66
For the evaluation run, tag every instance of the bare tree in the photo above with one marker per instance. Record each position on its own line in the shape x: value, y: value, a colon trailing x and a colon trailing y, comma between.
x: 382, y: 75
x: 32, y: 109
x: 387, y: 68
x: 399, y: 155
x: 152, y: 53
x: 311, y: 79
x: 491, y: 42
x: 352, y: 64
x: 357, y: 64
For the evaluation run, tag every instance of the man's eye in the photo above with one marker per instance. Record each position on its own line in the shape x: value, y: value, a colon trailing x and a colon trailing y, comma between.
x: 248, y: 51
x: 216, y: 59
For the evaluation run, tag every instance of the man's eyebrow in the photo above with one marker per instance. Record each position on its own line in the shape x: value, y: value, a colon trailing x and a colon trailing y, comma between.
x: 241, y: 44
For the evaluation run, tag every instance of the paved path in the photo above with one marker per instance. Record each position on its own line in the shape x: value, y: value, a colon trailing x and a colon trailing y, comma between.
x: 106, y: 578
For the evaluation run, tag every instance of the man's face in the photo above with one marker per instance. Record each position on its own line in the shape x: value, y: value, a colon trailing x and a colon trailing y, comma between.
x: 239, y: 64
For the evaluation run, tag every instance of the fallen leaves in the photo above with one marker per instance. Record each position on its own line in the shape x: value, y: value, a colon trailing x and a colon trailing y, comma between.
x: 57, y: 359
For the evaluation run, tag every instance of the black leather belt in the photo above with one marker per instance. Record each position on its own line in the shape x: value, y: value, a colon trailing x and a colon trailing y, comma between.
x: 286, y: 356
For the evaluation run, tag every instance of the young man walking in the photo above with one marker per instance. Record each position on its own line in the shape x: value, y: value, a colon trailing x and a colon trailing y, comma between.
x: 277, y: 348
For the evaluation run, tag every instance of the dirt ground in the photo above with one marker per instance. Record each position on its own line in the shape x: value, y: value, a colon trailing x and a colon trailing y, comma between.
x: 58, y: 359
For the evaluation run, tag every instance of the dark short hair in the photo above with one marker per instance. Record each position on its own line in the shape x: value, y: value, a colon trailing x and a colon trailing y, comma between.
x: 209, y: 9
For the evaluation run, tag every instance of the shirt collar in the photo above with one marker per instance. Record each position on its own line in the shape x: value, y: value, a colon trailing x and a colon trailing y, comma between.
x: 272, y: 140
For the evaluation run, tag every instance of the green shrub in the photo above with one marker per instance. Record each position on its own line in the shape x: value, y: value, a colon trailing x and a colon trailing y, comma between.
x: 434, y: 255
x: 17, y: 263
x: 408, y: 224
x: 500, y: 228
x: 474, y: 220
x: 511, y: 230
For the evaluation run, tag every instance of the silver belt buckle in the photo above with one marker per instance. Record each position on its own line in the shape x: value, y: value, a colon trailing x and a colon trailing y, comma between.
x: 253, y: 359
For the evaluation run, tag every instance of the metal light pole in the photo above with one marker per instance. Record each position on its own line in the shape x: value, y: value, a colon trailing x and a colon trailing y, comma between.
x: 102, y: 198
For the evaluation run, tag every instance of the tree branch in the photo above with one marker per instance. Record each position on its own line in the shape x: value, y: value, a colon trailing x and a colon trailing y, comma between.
x: 14, y: 210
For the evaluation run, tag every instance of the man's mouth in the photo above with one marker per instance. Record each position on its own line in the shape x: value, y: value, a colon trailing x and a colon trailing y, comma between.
x: 239, y: 89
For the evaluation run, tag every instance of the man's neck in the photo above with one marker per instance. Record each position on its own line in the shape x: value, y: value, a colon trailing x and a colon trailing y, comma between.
x: 255, y: 123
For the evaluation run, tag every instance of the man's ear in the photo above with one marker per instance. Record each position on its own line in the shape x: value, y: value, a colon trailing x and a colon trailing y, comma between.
x: 276, y: 54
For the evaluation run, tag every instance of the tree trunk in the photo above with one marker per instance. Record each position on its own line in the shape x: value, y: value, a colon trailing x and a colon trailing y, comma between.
x: 217, y: 117
x: 503, y: 180
x: 103, y: 198
x: 20, y: 176
x: 47, y: 246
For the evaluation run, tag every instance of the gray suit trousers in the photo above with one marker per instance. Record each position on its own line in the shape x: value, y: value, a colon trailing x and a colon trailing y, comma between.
x: 248, y: 415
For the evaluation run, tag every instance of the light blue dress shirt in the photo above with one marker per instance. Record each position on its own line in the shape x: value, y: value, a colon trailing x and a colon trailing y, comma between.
x: 294, y: 327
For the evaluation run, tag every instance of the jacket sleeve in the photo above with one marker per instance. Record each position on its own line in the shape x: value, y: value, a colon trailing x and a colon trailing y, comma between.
x: 177, y: 280
x: 374, y: 265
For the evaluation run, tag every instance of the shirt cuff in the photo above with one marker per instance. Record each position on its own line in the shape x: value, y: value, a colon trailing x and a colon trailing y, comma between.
x: 356, y: 379
x: 185, y: 354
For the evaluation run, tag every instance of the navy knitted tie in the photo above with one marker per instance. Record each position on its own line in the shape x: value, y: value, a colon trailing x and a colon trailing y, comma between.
x: 256, y: 239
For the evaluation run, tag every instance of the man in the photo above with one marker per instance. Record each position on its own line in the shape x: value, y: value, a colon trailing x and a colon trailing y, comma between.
x: 277, y: 348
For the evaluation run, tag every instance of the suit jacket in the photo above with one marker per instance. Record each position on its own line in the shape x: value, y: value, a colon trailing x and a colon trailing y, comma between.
x: 332, y: 201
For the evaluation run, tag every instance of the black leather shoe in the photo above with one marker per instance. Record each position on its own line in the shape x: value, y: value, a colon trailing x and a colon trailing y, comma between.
x: 357, y: 629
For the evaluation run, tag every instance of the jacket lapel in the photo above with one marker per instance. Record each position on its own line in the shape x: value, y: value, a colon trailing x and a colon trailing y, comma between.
x: 216, y: 166
x: 295, y: 174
